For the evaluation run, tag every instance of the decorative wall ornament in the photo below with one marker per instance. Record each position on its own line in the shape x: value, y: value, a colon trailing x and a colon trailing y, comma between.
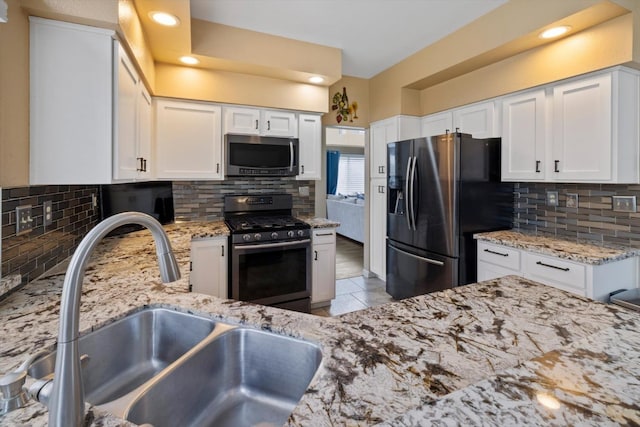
x: 344, y: 110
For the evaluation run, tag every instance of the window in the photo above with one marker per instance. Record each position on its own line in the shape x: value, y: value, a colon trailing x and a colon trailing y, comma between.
x: 351, y: 174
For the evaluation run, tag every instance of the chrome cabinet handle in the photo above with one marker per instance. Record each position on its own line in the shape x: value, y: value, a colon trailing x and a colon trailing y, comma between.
x: 496, y: 253
x: 556, y: 162
x: 537, y: 166
x: 552, y: 266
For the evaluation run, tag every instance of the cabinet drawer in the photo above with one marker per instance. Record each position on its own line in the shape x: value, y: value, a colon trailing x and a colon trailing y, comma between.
x: 487, y: 271
x: 324, y: 235
x: 553, y: 271
x: 499, y: 255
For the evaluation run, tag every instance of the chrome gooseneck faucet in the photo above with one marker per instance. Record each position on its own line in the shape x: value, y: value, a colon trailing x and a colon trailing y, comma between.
x: 66, y: 407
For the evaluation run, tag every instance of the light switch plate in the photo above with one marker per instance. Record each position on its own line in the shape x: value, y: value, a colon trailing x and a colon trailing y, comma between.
x: 23, y: 219
x: 624, y: 203
x: 552, y: 198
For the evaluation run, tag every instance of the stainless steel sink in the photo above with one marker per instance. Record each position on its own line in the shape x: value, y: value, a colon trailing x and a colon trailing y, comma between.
x: 168, y: 368
x: 125, y: 354
x: 242, y: 377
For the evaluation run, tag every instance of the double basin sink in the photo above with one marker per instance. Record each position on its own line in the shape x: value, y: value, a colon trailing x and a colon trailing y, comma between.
x: 167, y: 368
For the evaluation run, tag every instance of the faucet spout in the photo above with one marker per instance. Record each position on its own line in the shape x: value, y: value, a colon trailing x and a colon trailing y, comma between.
x: 67, y: 397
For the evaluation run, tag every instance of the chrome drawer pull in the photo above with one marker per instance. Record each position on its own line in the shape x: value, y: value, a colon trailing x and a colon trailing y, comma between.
x: 552, y: 266
x: 496, y: 253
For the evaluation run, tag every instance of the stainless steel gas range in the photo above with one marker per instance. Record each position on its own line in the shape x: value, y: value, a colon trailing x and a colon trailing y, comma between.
x: 270, y: 260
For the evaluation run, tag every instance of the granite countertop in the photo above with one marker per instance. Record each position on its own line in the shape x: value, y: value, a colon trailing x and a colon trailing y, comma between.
x: 476, y: 354
x: 584, y: 252
x: 321, y: 222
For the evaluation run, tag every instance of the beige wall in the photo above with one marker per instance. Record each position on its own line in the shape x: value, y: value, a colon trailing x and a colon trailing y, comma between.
x: 493, y: 38
x: 357, y: 90
x: 220, y: 86
x: 605, y: 45
x: 14, y: 98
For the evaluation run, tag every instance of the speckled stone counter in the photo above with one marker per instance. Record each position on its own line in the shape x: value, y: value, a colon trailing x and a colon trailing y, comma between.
x: 583, y: 252
x: 321, y: 222
x: 474, y: 355
x: 8, y: 283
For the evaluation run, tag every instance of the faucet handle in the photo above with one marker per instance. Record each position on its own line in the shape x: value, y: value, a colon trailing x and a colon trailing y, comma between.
x: 11, y: 386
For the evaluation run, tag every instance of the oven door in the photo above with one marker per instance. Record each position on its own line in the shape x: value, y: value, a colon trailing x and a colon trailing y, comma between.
x: 271, y: 273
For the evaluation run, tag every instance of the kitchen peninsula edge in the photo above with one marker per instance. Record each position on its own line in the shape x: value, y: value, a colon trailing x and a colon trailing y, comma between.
x: 476, y: 354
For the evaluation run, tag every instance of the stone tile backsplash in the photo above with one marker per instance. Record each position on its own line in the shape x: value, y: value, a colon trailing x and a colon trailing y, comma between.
x: 32, y: 253
x: 204, y: 200
x: 593, y: 219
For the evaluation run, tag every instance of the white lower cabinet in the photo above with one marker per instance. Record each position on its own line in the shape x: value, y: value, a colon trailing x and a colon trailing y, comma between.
x: 378, y: 227
x: 208, y: 273
x: 323, y: 266
x: 588, y: 280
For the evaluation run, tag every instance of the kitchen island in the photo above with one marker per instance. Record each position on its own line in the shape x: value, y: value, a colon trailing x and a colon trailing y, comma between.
x: 487, y: 353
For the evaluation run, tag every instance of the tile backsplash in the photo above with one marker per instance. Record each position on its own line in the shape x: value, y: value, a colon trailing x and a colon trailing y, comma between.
x: 204, y: 200
x: 593, y: 219
x: 32, y: 253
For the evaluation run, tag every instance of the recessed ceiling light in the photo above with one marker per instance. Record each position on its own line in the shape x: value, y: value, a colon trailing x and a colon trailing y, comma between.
x: 190, y: 60
x: 164, y: 18
x: 554, y: 32
x: 316, y: 79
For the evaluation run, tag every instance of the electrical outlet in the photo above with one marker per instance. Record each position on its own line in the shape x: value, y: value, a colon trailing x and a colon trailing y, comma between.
x: 624, y: 203
x: 24, y: 220
x: 47, y: 212
x: 552, y: 198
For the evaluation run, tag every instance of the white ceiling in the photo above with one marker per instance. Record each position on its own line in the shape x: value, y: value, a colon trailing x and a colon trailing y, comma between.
x: 373, y: 34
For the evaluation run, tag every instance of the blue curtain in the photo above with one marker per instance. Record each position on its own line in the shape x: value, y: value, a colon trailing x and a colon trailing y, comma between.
x: 333, y: 159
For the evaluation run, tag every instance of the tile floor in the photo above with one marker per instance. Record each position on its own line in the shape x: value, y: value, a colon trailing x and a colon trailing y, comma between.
x: 355, y: 293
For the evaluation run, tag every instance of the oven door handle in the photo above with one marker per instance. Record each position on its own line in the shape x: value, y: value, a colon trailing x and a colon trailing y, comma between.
x: 273, y: 245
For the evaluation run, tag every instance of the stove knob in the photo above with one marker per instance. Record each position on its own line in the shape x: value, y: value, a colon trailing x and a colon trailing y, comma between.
x: 300, y: 233
x: 274, y: 235
x: 291, y: 233
x: 246, y: 237
x: 257, y: 236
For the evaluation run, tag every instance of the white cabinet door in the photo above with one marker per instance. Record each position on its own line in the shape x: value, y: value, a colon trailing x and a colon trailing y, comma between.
x: 145, y: 133
x: 378, y: 227
x: 479, y: 120
x: 524, y: 136
x: 279, y: 123
x: 125, y: 142
x: 310, y: 140
x: 188, y: 140
x: 381, y: 133
x: 436, y: 124
x: 582, y: 130
x: 245, y: 121
x: 208, y: 273
x: 71, y: 103
x: 323, y: 285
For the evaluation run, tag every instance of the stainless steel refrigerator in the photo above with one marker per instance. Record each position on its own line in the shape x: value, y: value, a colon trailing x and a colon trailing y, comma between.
x: 441, y: 190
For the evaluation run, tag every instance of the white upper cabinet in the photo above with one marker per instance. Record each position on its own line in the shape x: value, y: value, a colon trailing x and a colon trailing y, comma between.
x: 188, y: 140
x: 85, y: 94
x: 580, y: 130
x: 480, y: 120
x: 524, y: 136
x: 389, y: 130
x: 254, y: 121
x: 132, y: 121
x: 436, y: 124
x: 310, y: 147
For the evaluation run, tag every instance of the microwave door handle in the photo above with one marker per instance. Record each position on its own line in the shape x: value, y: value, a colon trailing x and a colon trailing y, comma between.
x: 291, y: 156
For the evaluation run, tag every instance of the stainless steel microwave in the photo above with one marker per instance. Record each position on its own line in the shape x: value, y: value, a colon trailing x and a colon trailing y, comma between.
x: 253, y: 155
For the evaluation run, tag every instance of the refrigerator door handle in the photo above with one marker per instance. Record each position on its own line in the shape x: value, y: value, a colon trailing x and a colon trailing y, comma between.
x: 427, y: 260
x: 407, y: 191
x: 411, y: 192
